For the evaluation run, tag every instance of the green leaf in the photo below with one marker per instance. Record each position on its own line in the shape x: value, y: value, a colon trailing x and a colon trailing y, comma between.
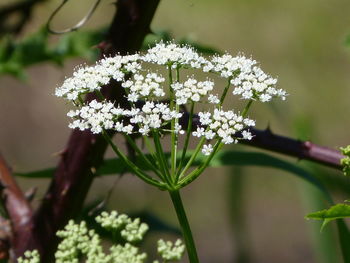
x: 335, y: 212
x: 223, y: 158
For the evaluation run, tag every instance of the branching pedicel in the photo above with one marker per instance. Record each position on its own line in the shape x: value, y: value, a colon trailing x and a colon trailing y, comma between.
x: 156, y: 107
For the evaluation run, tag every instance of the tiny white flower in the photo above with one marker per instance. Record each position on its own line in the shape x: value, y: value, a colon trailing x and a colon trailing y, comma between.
x: 207, y: 149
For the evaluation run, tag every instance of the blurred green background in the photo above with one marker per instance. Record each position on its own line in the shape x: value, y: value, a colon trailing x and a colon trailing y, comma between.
x: 301, y: 42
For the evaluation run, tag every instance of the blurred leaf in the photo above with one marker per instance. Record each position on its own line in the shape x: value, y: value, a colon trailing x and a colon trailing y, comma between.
x: 347, y: 41
x: 344, y: 237
x: 15, y: 56
x: 335, y: 212
x: 201, y: 48
x: 223, y: 158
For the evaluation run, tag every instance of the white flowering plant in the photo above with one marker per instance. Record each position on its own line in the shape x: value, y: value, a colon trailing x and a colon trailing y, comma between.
x: 79, y: 242
x: 155, y: 107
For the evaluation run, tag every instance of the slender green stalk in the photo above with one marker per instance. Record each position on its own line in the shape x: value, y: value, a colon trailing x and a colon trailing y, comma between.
x: 197, y: 172
x: 174, y: 139
x: 162, y: 159
x: 185, y: 227
x: 142, y: 155
x: 246, y: 108
x: 99, y: 95
x: 138, y: 172
x: 81, y: 101
x: 187, y: 139
x: 223, y: 96
x: 193, y: 157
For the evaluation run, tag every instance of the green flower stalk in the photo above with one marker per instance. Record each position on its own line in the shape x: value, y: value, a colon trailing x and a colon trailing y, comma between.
x: 157, y: 106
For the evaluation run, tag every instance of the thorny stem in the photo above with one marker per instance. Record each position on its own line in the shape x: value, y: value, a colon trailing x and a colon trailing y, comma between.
x: 185, y: 227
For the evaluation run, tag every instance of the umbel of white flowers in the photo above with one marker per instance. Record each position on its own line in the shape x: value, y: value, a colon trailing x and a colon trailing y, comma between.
x: 79, y: 241
x: 244, y: 77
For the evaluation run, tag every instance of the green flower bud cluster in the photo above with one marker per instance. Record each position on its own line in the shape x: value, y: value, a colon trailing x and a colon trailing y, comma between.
x: 81, y: 243
x: 345, y: 162
x: 30, y: 257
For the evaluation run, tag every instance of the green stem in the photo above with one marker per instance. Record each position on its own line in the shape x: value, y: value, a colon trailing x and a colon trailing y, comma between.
x: 174, y: 138
x: 138, y: 172
x: 223, y: 96
x: 185, y: 227
x: 197, y: 172
x: 193, y: 156
x: 162, y: 159
x: 188, y: 135
x: 99, y: 95
x: 246, y: 108
x: 143, y: 156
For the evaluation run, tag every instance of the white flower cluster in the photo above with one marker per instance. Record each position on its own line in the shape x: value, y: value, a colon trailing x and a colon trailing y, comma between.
x: 30, y: 257
x: 144, y: 87
x: 147, y: 88
x: 249, y: 80
x: 170, y: 251
x: 192, y: 90
x: 223, y: 125
x: 175, y: 55
x: 89, y: 79
x: 98, y: 116
x: 154, y: 116
x: 132, y: 231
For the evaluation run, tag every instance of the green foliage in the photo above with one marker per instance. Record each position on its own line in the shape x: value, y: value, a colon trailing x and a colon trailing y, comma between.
x: 16, y: 56
x: 335, y: 212
x: 223, y: 158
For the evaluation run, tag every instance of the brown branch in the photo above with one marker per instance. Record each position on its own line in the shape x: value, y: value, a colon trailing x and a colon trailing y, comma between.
x: 85, y: 151
x: 307, y: 150
x: 18, y: 209
x: 265, y: 139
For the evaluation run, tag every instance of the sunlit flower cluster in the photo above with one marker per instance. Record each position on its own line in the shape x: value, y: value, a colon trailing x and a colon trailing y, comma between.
x: 91, y: 78
x: 140, y: 87
x: 146, y: 92
x: 223, y: 125
x: 249, y: 81
x: 174, y: 55
x: 192, y: 90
